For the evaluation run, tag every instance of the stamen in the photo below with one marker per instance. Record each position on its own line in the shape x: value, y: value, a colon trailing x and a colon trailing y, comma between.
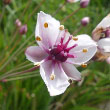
x: 84, y: 65
x: 52, y: 76
x: 75, y: 38
x: 68, y: 49
x: 70, y: 81
x: 38, y: 38
x: 65, y: 45
x: 37, y: 63
x: 85, y: 50
x: 46, y: 25
x: 61, y: 27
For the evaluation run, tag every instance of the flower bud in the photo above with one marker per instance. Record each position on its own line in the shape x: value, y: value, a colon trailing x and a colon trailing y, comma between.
x: 108, y: 60
x: 85, y: 21
x: 6, y: 2
x: 72, y: 1
x: 18, y: 23
x: 84, y: 3
x: 23, y: 29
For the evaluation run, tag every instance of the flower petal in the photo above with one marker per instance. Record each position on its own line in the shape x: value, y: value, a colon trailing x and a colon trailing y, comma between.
x: 84, y: 42
x: 47, y: 28
x: 59, y: 84
x: 96, y: 34
x: 71, y: 71
x: 104, y: 46
x: 35, y: 54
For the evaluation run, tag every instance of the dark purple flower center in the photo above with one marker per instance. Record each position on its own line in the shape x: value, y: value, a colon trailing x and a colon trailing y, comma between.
x: 60, y: 52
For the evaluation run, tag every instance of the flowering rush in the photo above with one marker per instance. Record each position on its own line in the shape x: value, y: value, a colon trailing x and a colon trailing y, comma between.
x: 101, y: 34
x: 57, y: 52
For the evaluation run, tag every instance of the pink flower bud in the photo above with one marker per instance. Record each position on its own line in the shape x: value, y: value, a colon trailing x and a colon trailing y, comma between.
x: 23, y: 29
x: 6, y: 2
x: 84, y: 3
x: 18, y: 23
x: 108, y: 60
x: 85, y: 21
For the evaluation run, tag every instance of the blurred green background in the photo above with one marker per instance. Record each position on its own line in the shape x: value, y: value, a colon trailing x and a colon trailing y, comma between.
x: 29, y: 91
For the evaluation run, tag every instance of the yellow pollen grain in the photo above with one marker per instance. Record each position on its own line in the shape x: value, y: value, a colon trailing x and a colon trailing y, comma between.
x: 37, y: 64
x: 85, y: 50
x: 46, y: 25
x: 75, y: 38
x: 52, y: 77
x: 61, y: 27
x: 84, y: 65
x: 38, y: 38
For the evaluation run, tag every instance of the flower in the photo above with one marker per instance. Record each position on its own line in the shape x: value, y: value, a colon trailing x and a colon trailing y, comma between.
x: 57, y: 52
x: 101, y: 34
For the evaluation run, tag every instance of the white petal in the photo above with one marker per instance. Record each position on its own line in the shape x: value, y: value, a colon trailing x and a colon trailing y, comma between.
x: 49, y: 34
x: 59, y: 84
x: 84, y: 42
x: 104, y: 46
x: 71, y: 71
x: 35, y: 54
x: 108, y: 60
x: 100, y: 27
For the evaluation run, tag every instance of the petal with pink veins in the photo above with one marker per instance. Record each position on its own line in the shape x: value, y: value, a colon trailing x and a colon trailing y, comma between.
x: 35, y: 54
x: 47, y: 28
x: 60, y: 83
x: 83, y: 42
x: 71, y: 71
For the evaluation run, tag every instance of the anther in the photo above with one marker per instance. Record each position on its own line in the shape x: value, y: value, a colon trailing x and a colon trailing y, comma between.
x: 61, y: 27
x: 70, y: 81
x: 46, y: 25
x: 84, y: 65
x: 52, y: 76
x: 38, y: 38
x: 85, y: 50
x: 75, y: 38
x: 37, y: 63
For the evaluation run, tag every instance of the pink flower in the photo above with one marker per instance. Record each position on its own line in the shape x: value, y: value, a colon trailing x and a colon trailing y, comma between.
x: 101, y: 34
x: 57, y: 52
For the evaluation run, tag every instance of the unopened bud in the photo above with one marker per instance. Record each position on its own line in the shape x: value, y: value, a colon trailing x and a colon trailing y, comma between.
x: 72, y: 1
x: 23, y: 29
x: 6, y: 2
x: 85, y: 21
x: 108, y: 60
x: 84, y: 3
x: 18, y: 23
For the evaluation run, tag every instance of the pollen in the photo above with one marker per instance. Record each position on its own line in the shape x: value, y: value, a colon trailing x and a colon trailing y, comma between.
x: 84, y: 65
x: 46, y: 25
x: 52, y: 76
x: 38, y: 38
x: 37, y: 63
x: 85, y: 50
x: 75, y: 38
x: 61, y: 27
